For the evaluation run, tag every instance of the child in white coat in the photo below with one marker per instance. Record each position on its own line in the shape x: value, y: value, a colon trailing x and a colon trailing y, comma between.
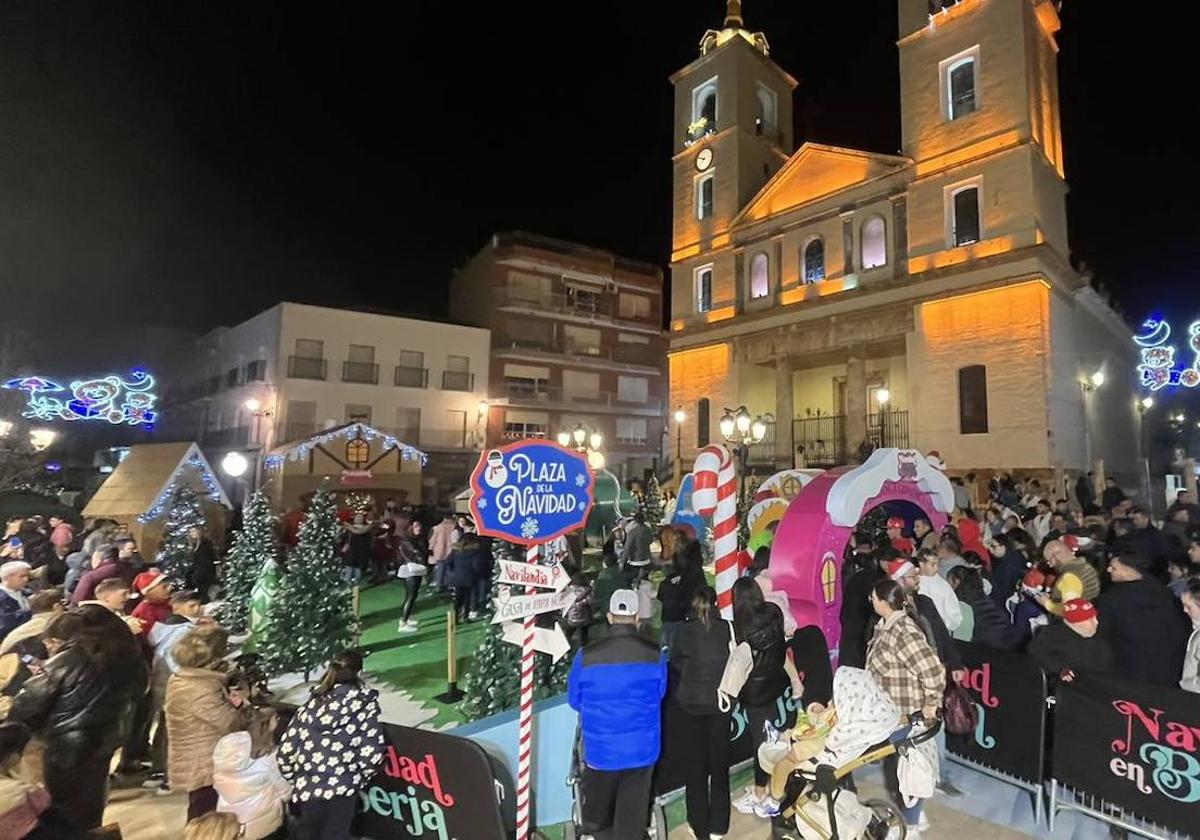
x: 250, y: 788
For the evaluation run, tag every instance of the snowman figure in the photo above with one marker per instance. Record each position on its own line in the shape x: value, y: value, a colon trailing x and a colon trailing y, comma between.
x: 495, y: 475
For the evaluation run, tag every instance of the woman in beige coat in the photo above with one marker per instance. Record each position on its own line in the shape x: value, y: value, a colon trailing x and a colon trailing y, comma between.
x: 200, y: 711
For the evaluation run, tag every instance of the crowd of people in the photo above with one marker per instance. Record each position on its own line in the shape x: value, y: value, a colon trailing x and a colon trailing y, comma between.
x: 1084, y: 586
x: 114, y: 677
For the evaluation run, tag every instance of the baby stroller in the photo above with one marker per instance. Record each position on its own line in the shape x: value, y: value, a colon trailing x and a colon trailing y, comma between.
x: 814, y: 804
x: 656, y: 825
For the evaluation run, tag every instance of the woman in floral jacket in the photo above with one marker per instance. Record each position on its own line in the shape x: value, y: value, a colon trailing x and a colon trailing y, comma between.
x: 332, y: 747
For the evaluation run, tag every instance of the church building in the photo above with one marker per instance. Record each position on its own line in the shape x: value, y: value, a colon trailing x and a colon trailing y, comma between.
x: 924, y: 299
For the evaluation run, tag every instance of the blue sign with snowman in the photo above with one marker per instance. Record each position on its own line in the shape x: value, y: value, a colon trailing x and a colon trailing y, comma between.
x: 531, y: 492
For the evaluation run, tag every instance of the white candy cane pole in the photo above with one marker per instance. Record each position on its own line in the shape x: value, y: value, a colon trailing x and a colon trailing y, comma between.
x: 525, y: 719
x: 715, y: 494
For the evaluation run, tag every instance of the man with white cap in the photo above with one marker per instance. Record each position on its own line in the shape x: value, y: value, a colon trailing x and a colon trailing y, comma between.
x: 14, y: 605
x: 617, y: 686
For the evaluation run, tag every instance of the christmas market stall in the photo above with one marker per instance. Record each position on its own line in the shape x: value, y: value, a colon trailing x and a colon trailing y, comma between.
x: 141, y: 490
x: 355, y: 458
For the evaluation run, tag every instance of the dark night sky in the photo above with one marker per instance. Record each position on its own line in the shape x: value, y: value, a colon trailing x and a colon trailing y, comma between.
x: 193, y: 163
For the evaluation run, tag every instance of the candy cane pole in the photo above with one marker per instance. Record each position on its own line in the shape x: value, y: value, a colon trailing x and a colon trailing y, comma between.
x: 525, y: 720
x: 715, y: 495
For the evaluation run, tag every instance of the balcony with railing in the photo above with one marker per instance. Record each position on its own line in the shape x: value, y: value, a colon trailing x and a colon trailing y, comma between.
x: 362, y: 373
x: 306, y: 367
x: 458, y: 380
x: 523, y: 393
x: 410, y: 377
x: 821, y: 441
x: 888, y: 428
x: 601, y: 305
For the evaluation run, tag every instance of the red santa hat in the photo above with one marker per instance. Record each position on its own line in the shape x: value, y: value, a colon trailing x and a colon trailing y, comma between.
x: 1075, y: 542
x: 898, y: 569
x: 934, y: 459
x: 1034, y: 579
x: 1078, y: 610
x: 896, y: 522
x: 146, y: 581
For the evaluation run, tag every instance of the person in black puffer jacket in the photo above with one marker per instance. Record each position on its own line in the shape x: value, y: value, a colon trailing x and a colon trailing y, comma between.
x: 79, y: 706
x: 760, y: 625
x: 677, y: 590
x: 992, y: 626
x: 697, y: 664
x: 862, y: 571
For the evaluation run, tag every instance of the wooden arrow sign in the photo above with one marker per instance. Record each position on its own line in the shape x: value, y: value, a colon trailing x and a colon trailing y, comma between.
x: 549, y: 640
x: 520, y: 573
x: 519, y: 606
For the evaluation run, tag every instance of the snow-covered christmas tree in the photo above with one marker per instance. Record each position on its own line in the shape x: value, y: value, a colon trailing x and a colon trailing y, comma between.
x: 492, y: 683
x: 252, y: 547
x: 175, y: 551
x: 311, y: 617
x: 652, y: 505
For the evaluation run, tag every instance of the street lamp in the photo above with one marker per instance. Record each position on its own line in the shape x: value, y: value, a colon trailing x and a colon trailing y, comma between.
x: 586, y: 443
x: 6, y: 427
x: 679, y: 418
x: 256, y: 409
x: 740, y: 430
x: 1098, y: 379
x: 883, y: 396
x: 40, y: 439
x: 1147, y: 403
x: 234, y: 464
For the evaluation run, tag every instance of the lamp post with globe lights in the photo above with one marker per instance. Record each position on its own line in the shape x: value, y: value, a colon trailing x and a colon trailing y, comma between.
x: 740, y: 431
x: 585, y: 441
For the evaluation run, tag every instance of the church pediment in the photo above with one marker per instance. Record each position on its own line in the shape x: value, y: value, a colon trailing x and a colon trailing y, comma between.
x: 815, y: 172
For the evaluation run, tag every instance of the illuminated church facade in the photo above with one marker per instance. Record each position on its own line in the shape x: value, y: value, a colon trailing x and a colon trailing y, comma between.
x: 924, y: 299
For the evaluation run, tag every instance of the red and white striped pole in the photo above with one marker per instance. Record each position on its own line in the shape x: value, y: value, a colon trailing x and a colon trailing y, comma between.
x: 715, y: 494
x: 525, y: 718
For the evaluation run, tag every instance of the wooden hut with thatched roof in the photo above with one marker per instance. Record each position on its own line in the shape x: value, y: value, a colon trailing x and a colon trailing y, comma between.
x: 138, y: 492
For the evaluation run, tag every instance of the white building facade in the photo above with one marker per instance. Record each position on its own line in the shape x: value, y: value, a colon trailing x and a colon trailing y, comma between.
x: 296, y: 369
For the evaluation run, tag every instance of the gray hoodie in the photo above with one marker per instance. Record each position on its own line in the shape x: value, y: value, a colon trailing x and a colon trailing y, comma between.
x: 1191, y: 662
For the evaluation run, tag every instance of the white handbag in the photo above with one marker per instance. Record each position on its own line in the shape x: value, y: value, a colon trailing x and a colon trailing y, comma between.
x: 411, y: 570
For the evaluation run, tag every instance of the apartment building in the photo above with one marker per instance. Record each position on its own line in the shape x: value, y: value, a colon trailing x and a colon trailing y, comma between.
x: 295, y: 369
x: 576, y: 340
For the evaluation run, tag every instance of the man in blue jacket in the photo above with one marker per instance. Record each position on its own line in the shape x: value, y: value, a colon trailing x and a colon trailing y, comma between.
x: 617, y: 686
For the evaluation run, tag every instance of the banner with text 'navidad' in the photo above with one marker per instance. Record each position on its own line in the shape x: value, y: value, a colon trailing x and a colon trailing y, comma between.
x: 1009, y: 691
x: 435, y: 787
x: 1133, y: 745
x: 531, y: 492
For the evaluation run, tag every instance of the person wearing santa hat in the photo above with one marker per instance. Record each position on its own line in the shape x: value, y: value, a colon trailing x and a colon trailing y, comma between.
x: 895, y: 532
x: 154, y: 591
x: 1074, y: 578
x: 1072, y: 644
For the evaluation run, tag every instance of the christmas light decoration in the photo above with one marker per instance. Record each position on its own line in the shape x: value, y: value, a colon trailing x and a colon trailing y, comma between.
x: 300, y: 451
x: 114, y: 399
x: 1158, y: 369
x: 211, y: 488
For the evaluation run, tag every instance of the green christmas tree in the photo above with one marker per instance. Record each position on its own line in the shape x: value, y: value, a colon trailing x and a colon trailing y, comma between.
x: 175, y: 551
x: 652, y: 506
x: 252, y: 547
x: 311, y: 617
x: 492, y: 683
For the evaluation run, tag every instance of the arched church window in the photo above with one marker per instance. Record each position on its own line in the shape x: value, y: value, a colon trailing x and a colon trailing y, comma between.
x: 760, y: 276
x: 814, y: 260
x: 874, y: 243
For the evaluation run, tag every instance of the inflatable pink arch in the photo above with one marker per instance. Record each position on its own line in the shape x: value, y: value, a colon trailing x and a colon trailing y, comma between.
x: 806, y: 557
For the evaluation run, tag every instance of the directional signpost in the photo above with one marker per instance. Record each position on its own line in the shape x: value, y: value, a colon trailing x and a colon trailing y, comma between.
x: 552, y: 576
x: 530, y: 493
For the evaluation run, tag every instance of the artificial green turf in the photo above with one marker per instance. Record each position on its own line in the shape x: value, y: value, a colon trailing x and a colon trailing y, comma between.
x: 414, y: 663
